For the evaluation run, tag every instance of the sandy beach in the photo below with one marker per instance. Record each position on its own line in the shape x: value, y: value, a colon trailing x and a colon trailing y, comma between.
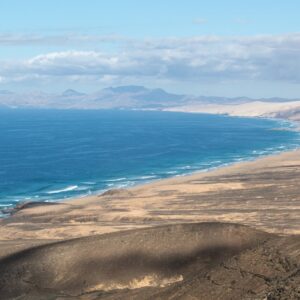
x: 263, y: 194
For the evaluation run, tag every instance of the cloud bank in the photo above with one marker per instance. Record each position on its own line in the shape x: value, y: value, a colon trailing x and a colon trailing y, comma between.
x: 204, y: 58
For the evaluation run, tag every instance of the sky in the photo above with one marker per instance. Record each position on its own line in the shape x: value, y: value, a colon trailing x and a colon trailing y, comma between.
x: 223, y: 48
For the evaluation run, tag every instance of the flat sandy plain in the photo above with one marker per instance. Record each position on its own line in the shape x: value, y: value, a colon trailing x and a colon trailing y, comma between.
x: 243, y: 242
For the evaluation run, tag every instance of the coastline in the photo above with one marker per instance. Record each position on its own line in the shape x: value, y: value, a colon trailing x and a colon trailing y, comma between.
x: 71, y: 190
x: 115, y: 216
x: 184, y: 176
x: 254, y: 193
x: 289, y: 124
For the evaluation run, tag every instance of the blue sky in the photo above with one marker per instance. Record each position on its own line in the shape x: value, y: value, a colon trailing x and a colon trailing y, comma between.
x: 228, y: 48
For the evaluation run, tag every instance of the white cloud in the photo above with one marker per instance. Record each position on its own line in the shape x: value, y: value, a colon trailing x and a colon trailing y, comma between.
x: 212, y: 58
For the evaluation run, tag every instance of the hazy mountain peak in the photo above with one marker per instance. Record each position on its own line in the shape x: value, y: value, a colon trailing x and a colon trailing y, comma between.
x: 71, y: 93
x: 128, y: 89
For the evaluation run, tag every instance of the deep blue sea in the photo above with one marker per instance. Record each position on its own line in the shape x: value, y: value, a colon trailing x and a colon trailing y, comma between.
x: 56, y: 154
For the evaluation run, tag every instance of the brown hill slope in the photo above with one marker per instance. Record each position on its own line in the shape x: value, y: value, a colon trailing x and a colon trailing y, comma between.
x: 187, y: 261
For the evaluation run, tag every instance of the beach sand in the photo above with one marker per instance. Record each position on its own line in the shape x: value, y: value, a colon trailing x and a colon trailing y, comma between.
x: 263, y: 194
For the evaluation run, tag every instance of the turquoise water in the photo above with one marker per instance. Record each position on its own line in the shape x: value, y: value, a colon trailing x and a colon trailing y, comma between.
x: 54, y: 154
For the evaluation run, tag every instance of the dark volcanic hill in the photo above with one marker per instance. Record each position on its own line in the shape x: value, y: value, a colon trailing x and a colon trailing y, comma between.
x: 188, y: 261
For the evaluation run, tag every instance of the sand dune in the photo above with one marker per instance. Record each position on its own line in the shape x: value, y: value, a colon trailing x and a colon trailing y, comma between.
x: 287, y: 110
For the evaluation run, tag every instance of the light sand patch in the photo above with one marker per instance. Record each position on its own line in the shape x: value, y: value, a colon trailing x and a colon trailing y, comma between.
x: 151, y: 280
x: 204, y: 187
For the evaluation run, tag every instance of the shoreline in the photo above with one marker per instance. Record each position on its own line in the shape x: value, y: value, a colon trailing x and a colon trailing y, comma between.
x: 242, y: 193
x: 295, y: 126
x: 8, y: 210
x: 122, y: 208
x: 178, y: 176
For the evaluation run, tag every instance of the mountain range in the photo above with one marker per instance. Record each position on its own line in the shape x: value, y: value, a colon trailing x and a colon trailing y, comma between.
x: 142, y: 98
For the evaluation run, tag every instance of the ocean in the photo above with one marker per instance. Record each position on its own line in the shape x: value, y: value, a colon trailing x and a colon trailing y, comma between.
x: 49, y: 155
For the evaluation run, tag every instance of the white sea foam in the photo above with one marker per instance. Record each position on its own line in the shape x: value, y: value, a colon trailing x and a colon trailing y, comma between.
x: 5, y: 205
x: 110, y: 184
x: 117, y: 179
x: 67, y: 189
x: 185, y: 167
x: 83, y: 188
x: 171, y: 172
x: 147, y: 177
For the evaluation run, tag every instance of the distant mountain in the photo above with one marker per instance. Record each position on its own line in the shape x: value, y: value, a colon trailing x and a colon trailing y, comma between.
x: 140, y: 97
x: 126, y: 97
x: 135, y: 97
x: 127, y: 89
x: 71, y: 93
x: 159, y: 96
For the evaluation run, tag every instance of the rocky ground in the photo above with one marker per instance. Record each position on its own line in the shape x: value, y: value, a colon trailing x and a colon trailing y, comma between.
x: 187, y: 261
